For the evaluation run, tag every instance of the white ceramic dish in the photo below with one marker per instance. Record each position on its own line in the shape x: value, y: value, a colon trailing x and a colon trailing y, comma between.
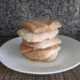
x: 68, y: 58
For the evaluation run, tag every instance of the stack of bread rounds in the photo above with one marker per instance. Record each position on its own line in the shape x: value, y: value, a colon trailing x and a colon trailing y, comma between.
x: 39, y: 41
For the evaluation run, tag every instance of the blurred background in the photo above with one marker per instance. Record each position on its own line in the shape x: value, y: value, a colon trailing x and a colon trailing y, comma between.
x: 12, y: 12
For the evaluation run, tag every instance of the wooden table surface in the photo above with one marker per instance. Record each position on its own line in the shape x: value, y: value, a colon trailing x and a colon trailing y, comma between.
x: 8, y: 74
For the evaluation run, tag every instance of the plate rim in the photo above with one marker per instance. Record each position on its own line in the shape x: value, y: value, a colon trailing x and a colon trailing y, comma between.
x: 41, y: 73
x: 38, y: 73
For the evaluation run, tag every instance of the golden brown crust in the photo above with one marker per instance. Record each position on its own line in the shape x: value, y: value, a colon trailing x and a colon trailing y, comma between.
x: 43, y: 44
x: 25, y: 48
x: 39, y: 37
x: 39, y: 53
x: 34, y: 26
x: 49, y: 59
x: 50, y: 23
x: 40, y: 25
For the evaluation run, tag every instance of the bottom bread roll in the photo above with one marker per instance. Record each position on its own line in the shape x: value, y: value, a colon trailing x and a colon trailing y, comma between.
x: 46, y: 54
x: 41, y: 55
x: 49, y: 59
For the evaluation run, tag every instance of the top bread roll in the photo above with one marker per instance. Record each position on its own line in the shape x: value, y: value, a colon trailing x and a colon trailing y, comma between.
x: 40, y: 25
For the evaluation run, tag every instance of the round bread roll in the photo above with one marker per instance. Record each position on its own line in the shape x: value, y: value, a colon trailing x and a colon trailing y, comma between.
x: 51, y: 58
x: 43, y: 44
x: 37, y: 37
x: 40, y: 54
x: 40, y: 25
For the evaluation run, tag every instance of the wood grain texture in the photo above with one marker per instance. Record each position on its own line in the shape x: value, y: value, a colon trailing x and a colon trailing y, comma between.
x: 12, y: 12
x: 7, y: 74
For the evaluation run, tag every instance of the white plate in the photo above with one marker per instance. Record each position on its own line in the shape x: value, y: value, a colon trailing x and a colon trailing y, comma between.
x: 69, y: 57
